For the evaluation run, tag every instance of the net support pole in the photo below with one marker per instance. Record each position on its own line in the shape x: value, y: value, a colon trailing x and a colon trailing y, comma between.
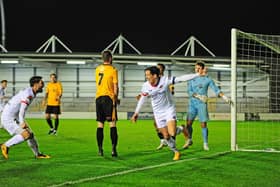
x: 233, y: 88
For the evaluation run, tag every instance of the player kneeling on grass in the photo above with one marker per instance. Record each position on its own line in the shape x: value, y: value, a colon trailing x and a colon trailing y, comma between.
x: 13, y: 118
x: 157, y: 88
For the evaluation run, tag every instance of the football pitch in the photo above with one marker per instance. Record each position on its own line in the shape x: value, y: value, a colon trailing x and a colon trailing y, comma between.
x: 74, y: 160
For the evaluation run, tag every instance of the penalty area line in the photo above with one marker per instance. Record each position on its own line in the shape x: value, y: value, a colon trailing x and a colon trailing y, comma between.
x: 89, y: 179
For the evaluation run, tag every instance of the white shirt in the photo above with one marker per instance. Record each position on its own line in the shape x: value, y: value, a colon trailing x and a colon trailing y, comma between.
x: 17, y: 105
x: 161, y: 97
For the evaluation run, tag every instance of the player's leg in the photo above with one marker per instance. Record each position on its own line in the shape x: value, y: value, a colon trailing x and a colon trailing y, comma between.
x: 113, y: 128
x: 32, y: 143
x: 48, y: 118
x: 170, y: 141
x: 16, y: 131
x: 160, y: 135
x: 204, y: 130
x: 189, y: 121
x: 56, y: 118
x: 114, y: 138
x: 171, y: 126
x: 100, y: 137
x: 203, y: 118
x: 100, y: 118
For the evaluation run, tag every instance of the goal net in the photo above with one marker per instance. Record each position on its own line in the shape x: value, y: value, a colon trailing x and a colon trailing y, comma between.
x: 255, y: 87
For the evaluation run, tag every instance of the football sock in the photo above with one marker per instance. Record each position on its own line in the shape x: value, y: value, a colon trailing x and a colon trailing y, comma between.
x: 172, y: 144
x: 32, y: 143
x: 56, y: 122
x: 205, y: 134
x: 99, y: 137
x: 50, y: 123
x: 190, y: 131
x: 114, y: 137
x: 14, y: 140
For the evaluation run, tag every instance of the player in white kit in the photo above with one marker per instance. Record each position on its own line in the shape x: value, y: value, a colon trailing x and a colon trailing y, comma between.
x: 157, y: 88
x: 13, y: 118
x: 3, y: 97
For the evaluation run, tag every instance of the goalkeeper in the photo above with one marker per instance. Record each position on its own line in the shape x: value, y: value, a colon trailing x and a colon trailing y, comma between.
x: 197, y: 90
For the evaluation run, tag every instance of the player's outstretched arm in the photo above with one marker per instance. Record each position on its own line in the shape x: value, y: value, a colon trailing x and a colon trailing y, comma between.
x: 185, y: 77
x: 225, y: 98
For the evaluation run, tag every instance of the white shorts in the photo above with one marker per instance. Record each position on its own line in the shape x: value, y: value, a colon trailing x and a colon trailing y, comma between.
x: 164, y: 117
x: 11, y: 126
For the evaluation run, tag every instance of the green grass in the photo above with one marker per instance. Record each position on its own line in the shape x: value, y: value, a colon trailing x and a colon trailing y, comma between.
x: 75, y: 161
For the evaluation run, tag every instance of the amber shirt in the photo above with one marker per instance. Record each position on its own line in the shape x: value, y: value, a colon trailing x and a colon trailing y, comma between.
x: 54, y: 91
x: 106, y: 76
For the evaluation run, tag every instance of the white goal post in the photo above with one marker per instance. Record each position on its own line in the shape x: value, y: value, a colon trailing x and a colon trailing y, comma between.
x: 255, y: 92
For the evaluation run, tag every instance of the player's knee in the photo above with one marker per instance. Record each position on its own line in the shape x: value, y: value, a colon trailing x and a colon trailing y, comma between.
x: 108, y: 118
x: 27, y: 134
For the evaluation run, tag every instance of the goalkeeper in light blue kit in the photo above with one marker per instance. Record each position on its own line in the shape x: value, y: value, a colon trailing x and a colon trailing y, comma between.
x: 197, y: 90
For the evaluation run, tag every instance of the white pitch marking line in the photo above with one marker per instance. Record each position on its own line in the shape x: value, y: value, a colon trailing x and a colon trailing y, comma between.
x: 132, y: 170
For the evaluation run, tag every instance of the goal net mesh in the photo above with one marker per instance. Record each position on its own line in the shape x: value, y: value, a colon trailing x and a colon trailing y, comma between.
x: 257, y: 92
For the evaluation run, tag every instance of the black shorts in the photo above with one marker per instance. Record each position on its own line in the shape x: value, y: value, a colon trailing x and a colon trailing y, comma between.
x: 105, y: 110
x: 53, y: 110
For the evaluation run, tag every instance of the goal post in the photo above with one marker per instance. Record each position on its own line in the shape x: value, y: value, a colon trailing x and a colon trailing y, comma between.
x: 255, y: 92
x: 233, y: 89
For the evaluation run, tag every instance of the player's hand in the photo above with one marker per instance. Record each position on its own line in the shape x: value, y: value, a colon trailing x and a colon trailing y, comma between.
x: 138, y: 97
x: 44, y: 103
x: 24, y: 125
x: 226, y: 99
x: 134, y: 118
x: 202, y: 98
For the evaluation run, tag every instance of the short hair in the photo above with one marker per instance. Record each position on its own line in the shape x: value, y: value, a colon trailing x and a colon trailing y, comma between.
x: 53, y: 74
x: 4, y: 81
x: 107, y: 55
x: 162, y: 66
x: 153, y: 70
x: 35, y: 79
x: 200, y: 63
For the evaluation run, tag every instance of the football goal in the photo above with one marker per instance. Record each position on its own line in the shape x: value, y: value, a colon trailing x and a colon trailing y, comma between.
x: 255, y: 92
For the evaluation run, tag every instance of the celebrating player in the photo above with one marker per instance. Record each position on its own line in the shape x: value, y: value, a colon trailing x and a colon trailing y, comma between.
x: 163, y: 106
x: 13, y: 118
x: 179, y: 129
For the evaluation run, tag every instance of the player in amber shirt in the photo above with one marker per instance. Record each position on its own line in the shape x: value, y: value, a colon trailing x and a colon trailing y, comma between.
x: 106, y: 76
x: 52, y: 99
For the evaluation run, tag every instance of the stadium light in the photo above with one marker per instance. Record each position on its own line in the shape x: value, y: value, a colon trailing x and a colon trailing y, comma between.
x: 221, y: 65
x: 75, y: 62
x: 147, y: 63
x: 9, y: 61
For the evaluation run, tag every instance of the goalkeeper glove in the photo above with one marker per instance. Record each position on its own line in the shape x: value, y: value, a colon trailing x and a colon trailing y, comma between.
x: 226, y: 99
x: 202, y: 98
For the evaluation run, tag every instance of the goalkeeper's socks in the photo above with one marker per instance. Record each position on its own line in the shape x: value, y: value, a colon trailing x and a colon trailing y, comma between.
x: 205, y: 135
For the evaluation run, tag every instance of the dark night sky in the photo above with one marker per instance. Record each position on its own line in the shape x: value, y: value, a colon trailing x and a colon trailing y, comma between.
x: 153, y: 27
